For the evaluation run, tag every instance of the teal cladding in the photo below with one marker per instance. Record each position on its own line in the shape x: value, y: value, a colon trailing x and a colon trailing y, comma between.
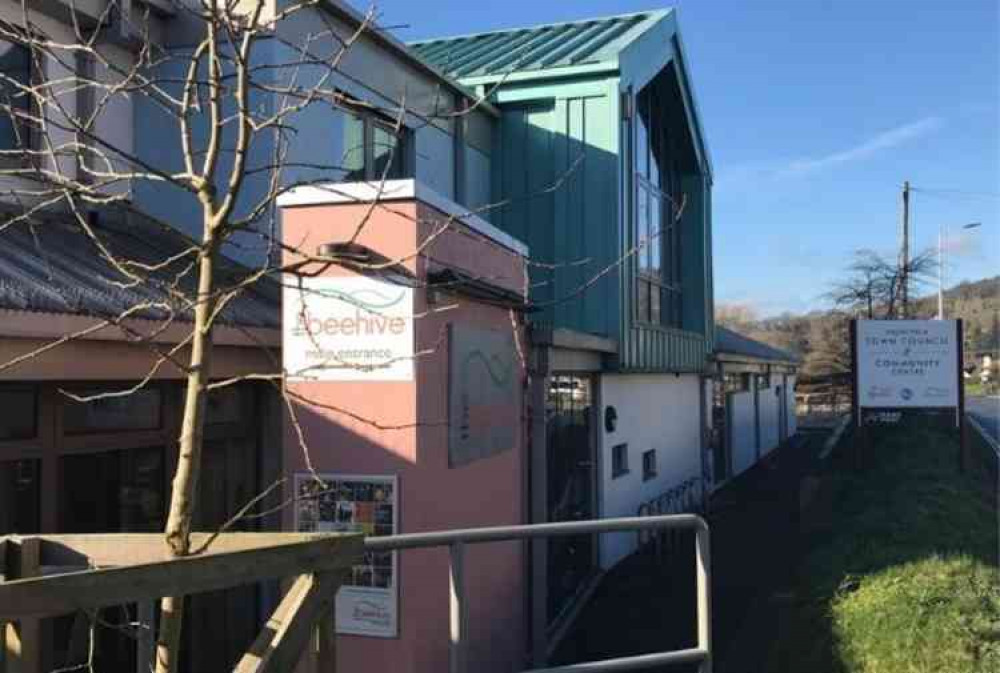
x: 562, y: 175
x: 556, y: 173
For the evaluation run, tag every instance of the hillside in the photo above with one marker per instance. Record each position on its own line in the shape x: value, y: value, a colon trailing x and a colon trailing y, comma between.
x: 820, y: 337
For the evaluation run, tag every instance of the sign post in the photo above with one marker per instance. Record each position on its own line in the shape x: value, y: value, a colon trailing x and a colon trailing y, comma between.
x: 906, y: 365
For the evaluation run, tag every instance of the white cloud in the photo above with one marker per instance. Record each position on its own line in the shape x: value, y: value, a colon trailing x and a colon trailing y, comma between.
x: 878, y: 143
x: 755, y: 173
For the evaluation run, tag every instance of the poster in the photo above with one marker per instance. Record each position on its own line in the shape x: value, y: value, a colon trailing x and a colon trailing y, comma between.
x: 367, y: 603
x: 347, y: 329
x: 482, y: 394
x: 907, y: 363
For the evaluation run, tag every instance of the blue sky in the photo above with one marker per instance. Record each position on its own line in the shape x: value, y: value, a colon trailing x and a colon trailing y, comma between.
x: 815, y: 112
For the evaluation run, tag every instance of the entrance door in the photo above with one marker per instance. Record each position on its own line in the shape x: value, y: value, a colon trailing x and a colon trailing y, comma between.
x: 571, y: 486
x: 108, y: 492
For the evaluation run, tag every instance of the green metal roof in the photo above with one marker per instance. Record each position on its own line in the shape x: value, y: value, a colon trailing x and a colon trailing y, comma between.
x: 537, y: 49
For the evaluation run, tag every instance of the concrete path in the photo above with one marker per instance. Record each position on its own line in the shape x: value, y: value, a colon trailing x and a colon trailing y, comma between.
x: 646, y: 603
x: 756, y: 545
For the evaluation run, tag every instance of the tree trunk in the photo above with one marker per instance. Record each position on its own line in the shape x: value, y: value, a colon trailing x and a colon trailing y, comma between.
x: 184, y: 490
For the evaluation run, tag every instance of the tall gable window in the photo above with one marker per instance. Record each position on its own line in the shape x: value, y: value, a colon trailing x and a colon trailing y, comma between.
x: 373, y: 149
x: 15, y: 104
x: 657, y: 200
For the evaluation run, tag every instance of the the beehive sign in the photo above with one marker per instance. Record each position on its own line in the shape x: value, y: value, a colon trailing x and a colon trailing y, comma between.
x: 907, y: 363
x: 347, y: 329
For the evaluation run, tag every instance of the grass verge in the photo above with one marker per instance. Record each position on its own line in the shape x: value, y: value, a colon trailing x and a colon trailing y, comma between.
x: 904, y: 578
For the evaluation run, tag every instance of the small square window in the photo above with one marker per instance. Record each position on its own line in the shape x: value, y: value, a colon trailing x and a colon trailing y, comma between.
x: 619, y: 460
x: 648, y: 464
x: 20, y: 413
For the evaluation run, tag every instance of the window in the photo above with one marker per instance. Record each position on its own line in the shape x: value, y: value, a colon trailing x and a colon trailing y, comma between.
x: 648, y: 464
x: 657, y: 198
x: 18, y: 418
x: 372, y: 148
x: 139, y: 410
x: 15, y: 66
x: 132, y: 497
x: 20, y: 496
x: 763, y: 381
x: 619, y: 460
x: 86, y: 109
x: 737, y: 383
x: 226, y: 405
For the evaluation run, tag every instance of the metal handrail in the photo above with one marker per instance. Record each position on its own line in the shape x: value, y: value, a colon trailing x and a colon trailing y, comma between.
x: 456, y: 540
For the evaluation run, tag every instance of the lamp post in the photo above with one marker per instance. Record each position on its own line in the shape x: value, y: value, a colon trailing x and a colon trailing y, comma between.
x: 942, y: 237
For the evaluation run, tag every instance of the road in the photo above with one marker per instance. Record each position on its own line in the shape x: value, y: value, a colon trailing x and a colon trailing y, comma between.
x: 986, y: 410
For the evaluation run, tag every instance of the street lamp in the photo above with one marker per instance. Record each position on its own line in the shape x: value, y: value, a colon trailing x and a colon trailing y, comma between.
x: 942, y: 236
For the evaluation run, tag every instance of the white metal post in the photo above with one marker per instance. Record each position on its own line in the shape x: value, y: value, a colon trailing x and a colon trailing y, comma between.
x: 703, y: 570
x: 458, y: 616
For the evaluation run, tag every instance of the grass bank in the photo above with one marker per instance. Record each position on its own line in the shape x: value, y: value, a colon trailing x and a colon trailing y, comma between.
x: 903, y: 578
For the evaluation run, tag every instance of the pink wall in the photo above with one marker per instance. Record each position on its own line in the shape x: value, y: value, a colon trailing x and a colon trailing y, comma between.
x: 432, y: 496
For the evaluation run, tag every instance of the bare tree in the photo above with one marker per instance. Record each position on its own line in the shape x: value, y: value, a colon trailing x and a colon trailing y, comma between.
x: 221, y: 98
x: 209, y: 95
x: 871, y: 288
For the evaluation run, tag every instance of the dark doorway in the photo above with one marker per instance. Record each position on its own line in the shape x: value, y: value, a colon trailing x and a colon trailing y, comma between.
x: 571, y: 474
x: 108, y: 492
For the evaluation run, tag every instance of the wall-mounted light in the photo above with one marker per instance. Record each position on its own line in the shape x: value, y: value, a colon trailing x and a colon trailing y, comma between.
x: 610, y: 418
x: 368, y: 262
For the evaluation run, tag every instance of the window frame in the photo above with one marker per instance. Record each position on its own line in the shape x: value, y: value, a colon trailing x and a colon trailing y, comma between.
x: 657, y: 288
x: 650, y: 467
x: 33, y: 391
x: 402, y: 155
x: 22, y: 127
x: 86, y: 104
x: 619, y: 460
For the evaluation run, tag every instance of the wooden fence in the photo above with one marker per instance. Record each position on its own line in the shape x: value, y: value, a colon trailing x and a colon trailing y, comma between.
x: 50, y: 575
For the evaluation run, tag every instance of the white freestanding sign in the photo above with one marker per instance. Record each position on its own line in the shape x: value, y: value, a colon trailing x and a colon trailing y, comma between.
x: 907, y: 363
x: 347, y: 329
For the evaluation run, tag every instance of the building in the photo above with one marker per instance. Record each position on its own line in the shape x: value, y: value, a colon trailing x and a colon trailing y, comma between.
x: 587, y: 152
x: 104, y: 465
x: 415, y: 429
x: 600, y: 165
x: 448, y: 152
x: 126, y: 445
x: 753, y: 403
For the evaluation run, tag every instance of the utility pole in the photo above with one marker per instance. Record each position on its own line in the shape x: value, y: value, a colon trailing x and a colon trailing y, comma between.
x: 904, y: 254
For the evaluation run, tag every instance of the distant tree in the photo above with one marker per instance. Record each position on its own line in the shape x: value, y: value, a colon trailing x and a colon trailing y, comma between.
x: 873, y: 284
x: 828, y: 351
x: 736, y: 316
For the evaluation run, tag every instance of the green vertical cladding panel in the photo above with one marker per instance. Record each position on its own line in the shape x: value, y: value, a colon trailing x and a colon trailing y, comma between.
x: 557, y: 175
x: 526, y: 171
x: 710, y: 271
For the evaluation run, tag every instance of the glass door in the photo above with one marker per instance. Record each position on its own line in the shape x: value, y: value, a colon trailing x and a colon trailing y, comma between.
x: 571, y: 486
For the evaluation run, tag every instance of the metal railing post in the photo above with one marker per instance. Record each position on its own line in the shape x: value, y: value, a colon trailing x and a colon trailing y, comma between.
x: 703, y: 575
x: 456, y: 540
x: 458, y: 615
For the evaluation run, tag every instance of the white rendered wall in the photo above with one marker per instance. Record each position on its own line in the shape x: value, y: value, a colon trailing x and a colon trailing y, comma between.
x: 743, y: 435
x: 770, y: 421
x: 655, y: 411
